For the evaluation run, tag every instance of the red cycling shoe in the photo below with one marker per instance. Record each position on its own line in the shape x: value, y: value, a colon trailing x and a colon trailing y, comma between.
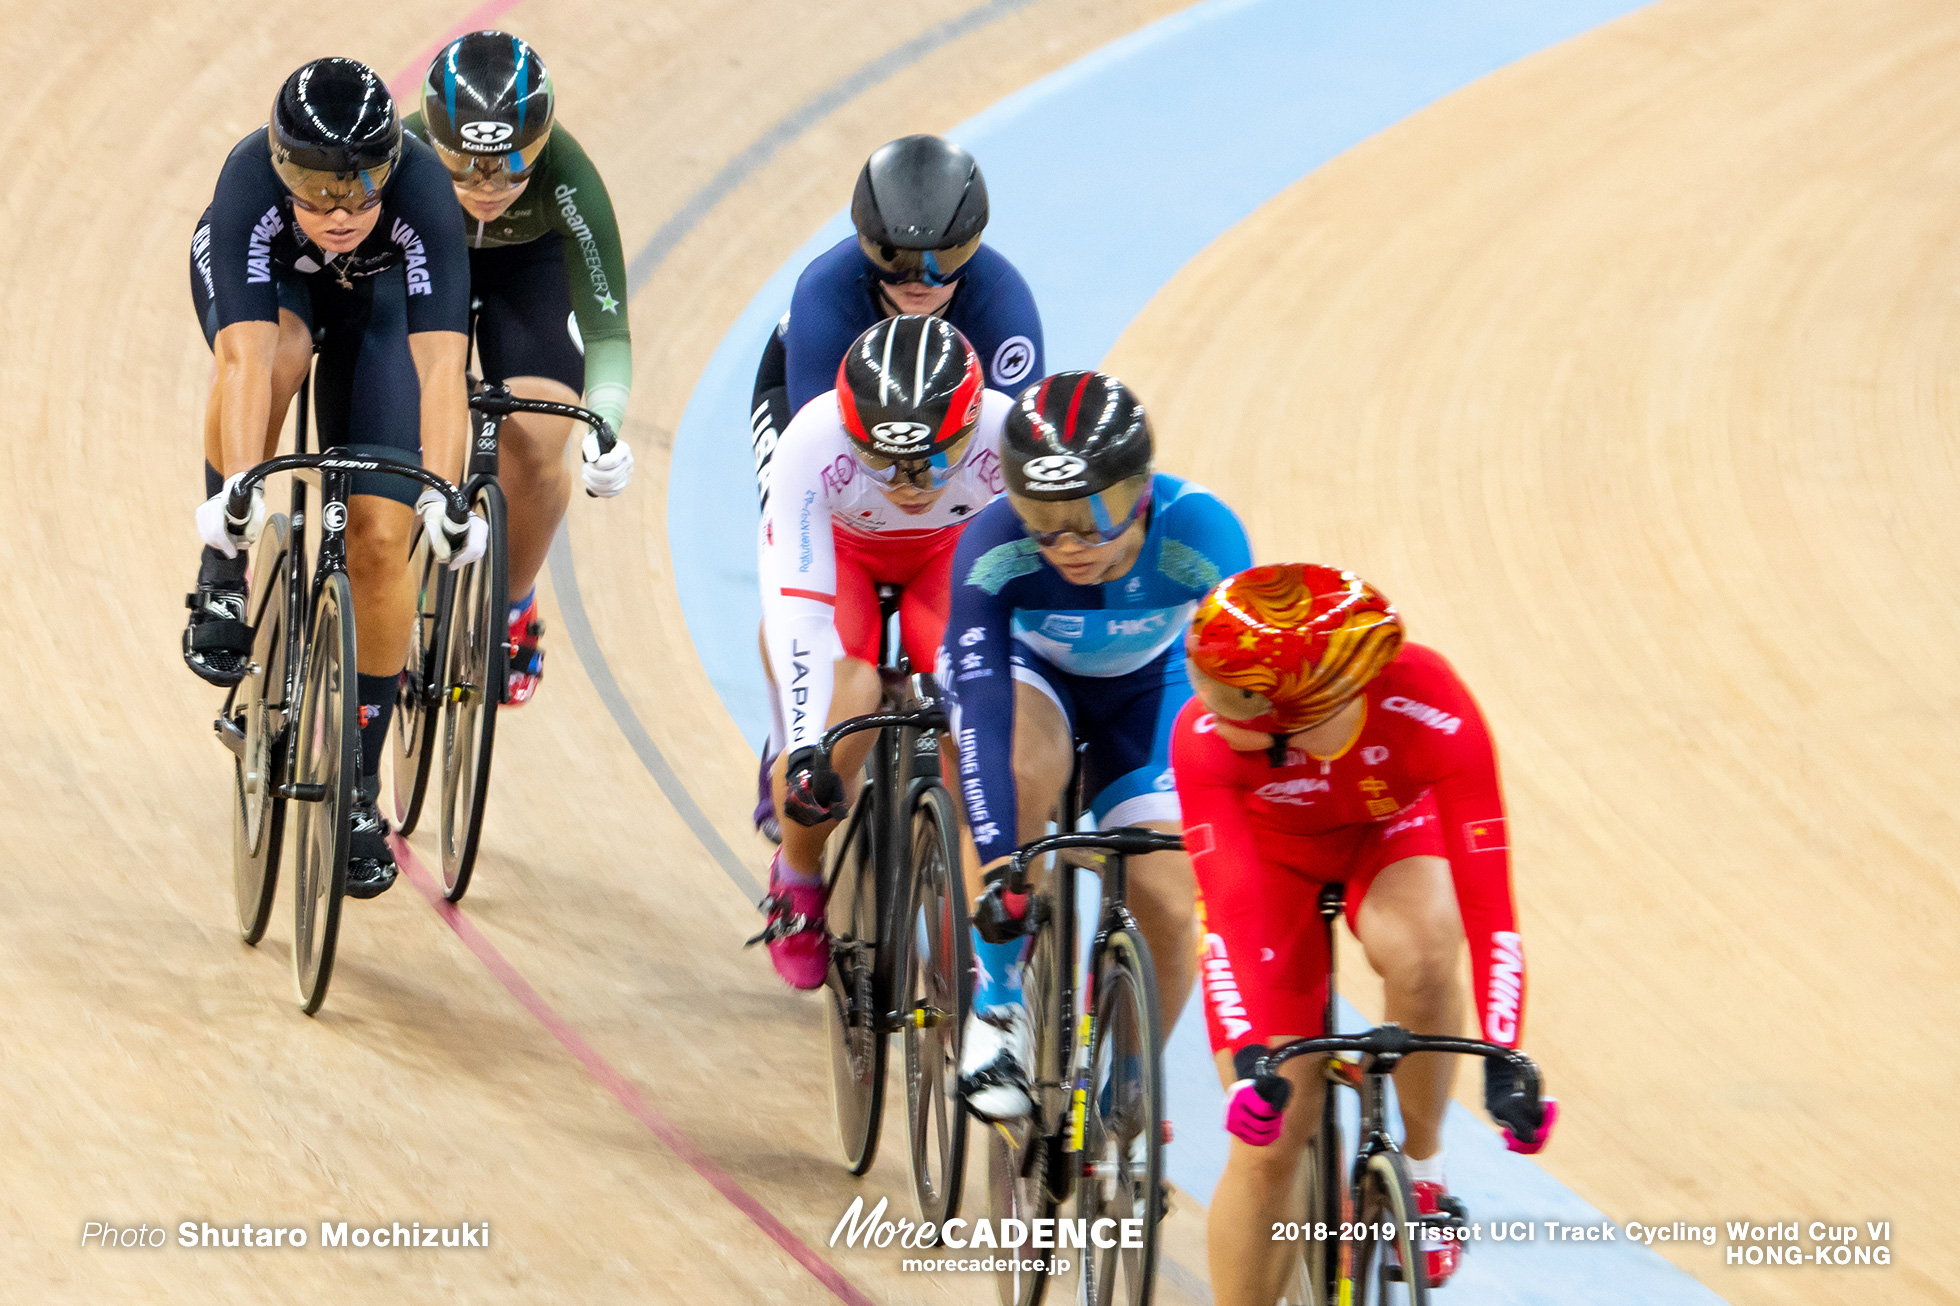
x: 1440, y: 1255
x: 526, y: 658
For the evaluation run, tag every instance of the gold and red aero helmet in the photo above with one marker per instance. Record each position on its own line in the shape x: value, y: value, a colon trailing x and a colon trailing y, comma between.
x: 1303, y: 637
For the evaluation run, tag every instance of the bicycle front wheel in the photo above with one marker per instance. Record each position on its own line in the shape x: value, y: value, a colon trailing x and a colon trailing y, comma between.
x: 258, y: 810
x: 938, y: 986
x: 1123, y: 1134
x: 1314, y: 1277
x: 479, y: 625
x: 326, y: 760
x: 1022, y: 1155
x: 857, y: 1044
x: 417, y: 700
x: 1390, y: 1270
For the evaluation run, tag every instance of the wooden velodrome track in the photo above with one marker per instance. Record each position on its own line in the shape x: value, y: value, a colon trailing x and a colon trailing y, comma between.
x: 1626, y: 371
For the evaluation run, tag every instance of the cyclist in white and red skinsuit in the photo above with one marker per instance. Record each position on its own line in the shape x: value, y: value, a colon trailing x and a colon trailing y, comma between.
x: 872, y: 484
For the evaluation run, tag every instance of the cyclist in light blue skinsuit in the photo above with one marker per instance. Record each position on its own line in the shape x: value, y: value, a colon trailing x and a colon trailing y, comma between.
x: 1070, y: 599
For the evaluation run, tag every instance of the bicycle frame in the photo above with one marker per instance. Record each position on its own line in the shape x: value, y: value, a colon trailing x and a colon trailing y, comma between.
x: 1113, y: 848
x: 916, y: 716
x: 1382, y: 1050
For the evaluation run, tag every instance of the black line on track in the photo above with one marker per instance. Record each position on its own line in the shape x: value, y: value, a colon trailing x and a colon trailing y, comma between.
x: 564, y: 569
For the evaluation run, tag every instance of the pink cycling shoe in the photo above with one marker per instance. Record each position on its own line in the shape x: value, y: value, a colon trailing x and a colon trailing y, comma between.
x: 799, y: 944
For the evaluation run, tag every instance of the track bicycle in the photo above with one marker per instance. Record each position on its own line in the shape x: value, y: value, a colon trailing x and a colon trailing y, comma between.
x: 1360, y: 1238
x: 1097, y: 1131
x: 459, y: 653
x: 290, y: 722
x: 901, y: 956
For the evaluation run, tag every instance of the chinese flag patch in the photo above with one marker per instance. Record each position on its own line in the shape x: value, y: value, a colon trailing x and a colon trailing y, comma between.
x: 1485, y: 836
x: 1197, y: 839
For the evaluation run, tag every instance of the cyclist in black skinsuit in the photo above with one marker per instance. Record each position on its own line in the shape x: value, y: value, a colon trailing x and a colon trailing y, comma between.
x: 326, y: 227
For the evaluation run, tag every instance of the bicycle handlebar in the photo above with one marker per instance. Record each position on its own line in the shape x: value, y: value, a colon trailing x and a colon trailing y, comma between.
x: 239, y: 503
x: 1390, y: 1043
x: 929, y: 717
x: 1130, y: 840
x: 492, y: 403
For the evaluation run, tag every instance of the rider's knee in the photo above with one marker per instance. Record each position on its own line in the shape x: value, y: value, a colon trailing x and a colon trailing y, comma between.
x: 1271, y: 1168
x: 293, y: 354
x: 1423, y: 967
x: 378, y: 535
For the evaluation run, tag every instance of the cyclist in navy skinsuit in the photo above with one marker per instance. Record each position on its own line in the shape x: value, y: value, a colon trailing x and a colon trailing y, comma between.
x: 1070, y: 599
x: 919, y: 209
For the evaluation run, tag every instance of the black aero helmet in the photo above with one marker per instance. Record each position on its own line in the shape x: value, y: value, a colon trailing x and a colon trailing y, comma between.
x: 334, y: 135
x: 487, y: 102
x: 908, y: 390
x: 919, y: 209
x: 1073, y: 435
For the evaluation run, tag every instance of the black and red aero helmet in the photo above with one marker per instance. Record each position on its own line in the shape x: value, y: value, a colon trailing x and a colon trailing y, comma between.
x: 909, y: 388
x: 1073, y: 435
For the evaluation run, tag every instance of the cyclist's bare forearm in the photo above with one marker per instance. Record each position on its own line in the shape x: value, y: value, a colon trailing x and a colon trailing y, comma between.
x: 244, y: 353
x: 440, y: 357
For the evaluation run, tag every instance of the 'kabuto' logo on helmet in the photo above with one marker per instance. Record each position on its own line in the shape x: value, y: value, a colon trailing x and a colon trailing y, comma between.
x: 485, y: 134
x: 901, y: 436
x: 1052, y: 469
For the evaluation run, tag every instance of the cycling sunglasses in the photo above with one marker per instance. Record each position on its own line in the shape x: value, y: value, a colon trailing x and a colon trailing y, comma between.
x: 942, y: 466
x: 1107, y: 529
x: 489, y: 172
x: 933, y: 267
x: 323, y: 192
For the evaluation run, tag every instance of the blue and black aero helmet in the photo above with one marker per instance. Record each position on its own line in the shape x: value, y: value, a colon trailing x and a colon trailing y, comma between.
x: 334, y: 135
x: 919, y: 209
x: 487, y: 105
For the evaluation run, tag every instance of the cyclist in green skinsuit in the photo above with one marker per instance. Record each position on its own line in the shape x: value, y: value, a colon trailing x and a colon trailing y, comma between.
x: 548, y: 286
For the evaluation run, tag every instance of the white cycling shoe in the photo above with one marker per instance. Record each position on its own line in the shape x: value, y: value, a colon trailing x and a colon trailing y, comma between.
x: 994, y: 1063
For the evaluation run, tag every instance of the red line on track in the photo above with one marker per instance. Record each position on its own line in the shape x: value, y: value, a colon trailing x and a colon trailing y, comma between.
x: 408, y: 82
x: 622, y: 1088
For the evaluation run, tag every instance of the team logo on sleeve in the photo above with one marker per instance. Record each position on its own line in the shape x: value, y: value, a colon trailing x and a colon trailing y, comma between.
x: 1013, y: 360
x: 1506, y: 987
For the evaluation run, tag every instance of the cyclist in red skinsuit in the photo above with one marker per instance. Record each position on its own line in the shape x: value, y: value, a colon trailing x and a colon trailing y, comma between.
x: 1320, y: 748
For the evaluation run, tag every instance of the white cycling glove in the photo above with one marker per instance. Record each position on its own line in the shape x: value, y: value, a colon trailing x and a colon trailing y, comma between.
x: 606, y: 474
x: 219, y: 529
x: 434, y: 510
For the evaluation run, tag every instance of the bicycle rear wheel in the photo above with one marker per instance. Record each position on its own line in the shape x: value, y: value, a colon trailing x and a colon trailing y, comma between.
x: 1022, y: 1153
x: 327, y: 757
x: 1123, y: 1136
x: 857, y: 1045
x: 1389, y: 1271
x: 416, y: 702
x: 258, y: 811
x: 938, y: 989
x: 478, y: 626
